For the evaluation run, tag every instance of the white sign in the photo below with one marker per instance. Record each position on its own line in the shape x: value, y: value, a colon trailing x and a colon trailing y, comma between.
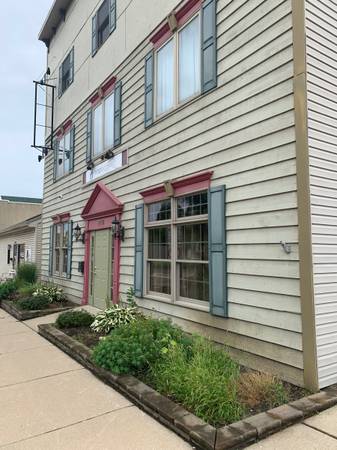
x: 105, y: 167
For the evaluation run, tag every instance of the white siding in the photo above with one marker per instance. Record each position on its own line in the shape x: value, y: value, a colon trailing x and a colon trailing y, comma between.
x: 322, y: 105
x: 244, y: 131
x: 28, y: 238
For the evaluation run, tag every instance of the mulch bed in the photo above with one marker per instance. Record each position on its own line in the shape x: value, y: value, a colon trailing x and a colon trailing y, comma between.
x: 84, y: 335
x: 11, y: 307
x: 78, y: 344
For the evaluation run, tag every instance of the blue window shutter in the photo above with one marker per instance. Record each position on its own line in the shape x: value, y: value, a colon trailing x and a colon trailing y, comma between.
x: 118, y: 114
x: 60, y: 87
x: 89, y: 137
x: 139, y: 250
x: 148, y: 119
x: 55, y: 160
x: 51, y: 249
x: 94, y: 36
x: 112, y: 15
x: 72, y: 150
x: 208, y: 46
x: 70, y: 247
x: 217, y: 251
x: 71, y: 65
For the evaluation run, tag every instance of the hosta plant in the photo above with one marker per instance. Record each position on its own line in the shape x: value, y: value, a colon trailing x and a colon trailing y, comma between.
x: 114, y: 317
x: 51, y: 292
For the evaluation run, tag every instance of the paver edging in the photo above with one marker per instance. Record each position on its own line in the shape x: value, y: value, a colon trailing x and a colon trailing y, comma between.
x: 200, y: 434
x: 18, y: 314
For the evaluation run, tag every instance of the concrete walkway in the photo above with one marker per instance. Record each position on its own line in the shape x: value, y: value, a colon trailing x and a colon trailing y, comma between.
x: 49, y: 402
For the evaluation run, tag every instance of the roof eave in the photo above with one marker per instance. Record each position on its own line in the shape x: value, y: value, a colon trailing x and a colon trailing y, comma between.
x: 55, y: 16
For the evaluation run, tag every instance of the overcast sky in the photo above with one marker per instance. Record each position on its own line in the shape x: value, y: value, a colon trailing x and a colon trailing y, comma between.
x: 23, y: 59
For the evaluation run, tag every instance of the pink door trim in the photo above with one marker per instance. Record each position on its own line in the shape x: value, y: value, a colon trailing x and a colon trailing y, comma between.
x: 101, y: 208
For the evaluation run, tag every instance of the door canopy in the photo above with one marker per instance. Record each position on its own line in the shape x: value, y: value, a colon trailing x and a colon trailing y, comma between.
x: 102, y: 203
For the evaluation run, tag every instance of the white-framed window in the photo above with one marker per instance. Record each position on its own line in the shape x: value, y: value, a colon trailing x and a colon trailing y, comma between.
x: 63, y: 155
x: 178, y: 67
x: 103, y: 126
x: 61, y: 248
x: 176, y: 249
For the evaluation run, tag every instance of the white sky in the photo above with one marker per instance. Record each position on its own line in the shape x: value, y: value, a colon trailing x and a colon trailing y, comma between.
x: 23, y: 59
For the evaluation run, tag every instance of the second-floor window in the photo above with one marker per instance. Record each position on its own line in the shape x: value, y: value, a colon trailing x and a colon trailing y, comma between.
x: 103, y: 24
x: 103, y: 126
x: 178, y: 68
x: 66, y: 73
x: 64, y: 153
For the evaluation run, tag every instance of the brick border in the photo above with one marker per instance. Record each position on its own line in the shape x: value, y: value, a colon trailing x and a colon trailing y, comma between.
x: 194, y: 430
x: 9, y: 306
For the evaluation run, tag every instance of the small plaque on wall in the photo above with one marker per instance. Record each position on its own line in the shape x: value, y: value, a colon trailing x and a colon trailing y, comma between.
x: 106, y: 167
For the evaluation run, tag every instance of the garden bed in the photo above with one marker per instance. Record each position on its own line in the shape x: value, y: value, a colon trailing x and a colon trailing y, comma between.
x: 12, y: 308
x: 174, y: 416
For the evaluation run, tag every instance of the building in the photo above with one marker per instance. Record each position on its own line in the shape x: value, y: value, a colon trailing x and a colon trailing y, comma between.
x: 17, y: 209
x: 20, y: 243
x: 195, y: 159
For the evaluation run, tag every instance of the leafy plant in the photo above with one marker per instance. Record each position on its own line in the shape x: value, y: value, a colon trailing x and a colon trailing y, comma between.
x: 51, y: 292
x: 261, y: 390
x: 74, y: 319
x: 131, y: 348
x: 33, y: 303
x: 27, y: 273
x: 114, y: 317
x: 8, y: 288
x: 130, y: 297
x: 27, y: 290
x: 203, y: 379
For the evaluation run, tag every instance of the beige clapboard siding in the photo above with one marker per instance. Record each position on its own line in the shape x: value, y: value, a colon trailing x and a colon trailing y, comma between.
x: 322, y: 108
x: 244, y: 132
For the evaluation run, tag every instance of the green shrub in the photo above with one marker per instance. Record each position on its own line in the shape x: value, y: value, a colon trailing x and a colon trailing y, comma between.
x: 114, y: 317
x: 27, y: 273
x: 51, y: 292
x: 33, y: 303
x: 7, y: 289
x: 133, y: 347
x: 27, y: 290
x: 74, y: 319
x: 204, y: 380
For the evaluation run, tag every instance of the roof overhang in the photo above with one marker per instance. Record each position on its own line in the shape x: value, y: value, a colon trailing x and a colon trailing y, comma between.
x: 55, y: 16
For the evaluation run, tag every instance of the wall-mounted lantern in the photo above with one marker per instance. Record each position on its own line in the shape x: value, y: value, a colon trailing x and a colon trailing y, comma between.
x: 118, y: 230
x: 78, y: 235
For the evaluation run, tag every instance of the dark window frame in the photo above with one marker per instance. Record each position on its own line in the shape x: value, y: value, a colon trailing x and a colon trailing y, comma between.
x: 66, y: 75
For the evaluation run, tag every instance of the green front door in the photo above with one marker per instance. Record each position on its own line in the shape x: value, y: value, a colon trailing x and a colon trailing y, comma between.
x: 101, y: 268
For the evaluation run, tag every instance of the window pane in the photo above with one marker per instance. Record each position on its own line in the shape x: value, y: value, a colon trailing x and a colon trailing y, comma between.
x: 193, y: 205
x: 66, y: 158
x: 109, y: 122
x: 58, y: 236
x: 59, y: 162
x: 66, y: 73
x: 103, y: 22
x: 97, y: 129
x: 57, y: 261
x: 193, y: 281
x: 165, y: 78
x: 189, y: 60
x: 192, y: 242
x: 65, y: 261
x: 160, y: 243
x: 65, y: 234
x: 160, y: 277
x: 160, y: 211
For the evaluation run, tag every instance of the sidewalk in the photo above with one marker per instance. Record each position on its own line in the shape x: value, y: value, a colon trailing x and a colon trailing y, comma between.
x: 50, y: 402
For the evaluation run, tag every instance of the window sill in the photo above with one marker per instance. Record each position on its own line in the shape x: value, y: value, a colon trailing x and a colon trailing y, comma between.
x: 185, y: 304
x: 62, y: 177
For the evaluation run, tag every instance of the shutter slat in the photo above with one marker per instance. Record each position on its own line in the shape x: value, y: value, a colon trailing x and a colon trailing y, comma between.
x: 118, y: 114
x: 51, y: 249
x: 139, y: 250
x: 72, y: 149
x: 70, y: 248
x: 89, y: 137
x: 60, y: 89
x: 208, y: 46
x: 217, y: 251
x: 94, y: 35
x: 148, y: 119
x: 112, y: 16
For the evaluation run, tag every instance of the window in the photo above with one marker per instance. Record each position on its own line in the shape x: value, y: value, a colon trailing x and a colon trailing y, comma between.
x: 103, y: 126
x: 178, y: 68
x: 66, y: 75
x: 177, y: 248
x: 61, y: 248
x: 103, y: 24
x: 9, y: 247
x: 64, y: 154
